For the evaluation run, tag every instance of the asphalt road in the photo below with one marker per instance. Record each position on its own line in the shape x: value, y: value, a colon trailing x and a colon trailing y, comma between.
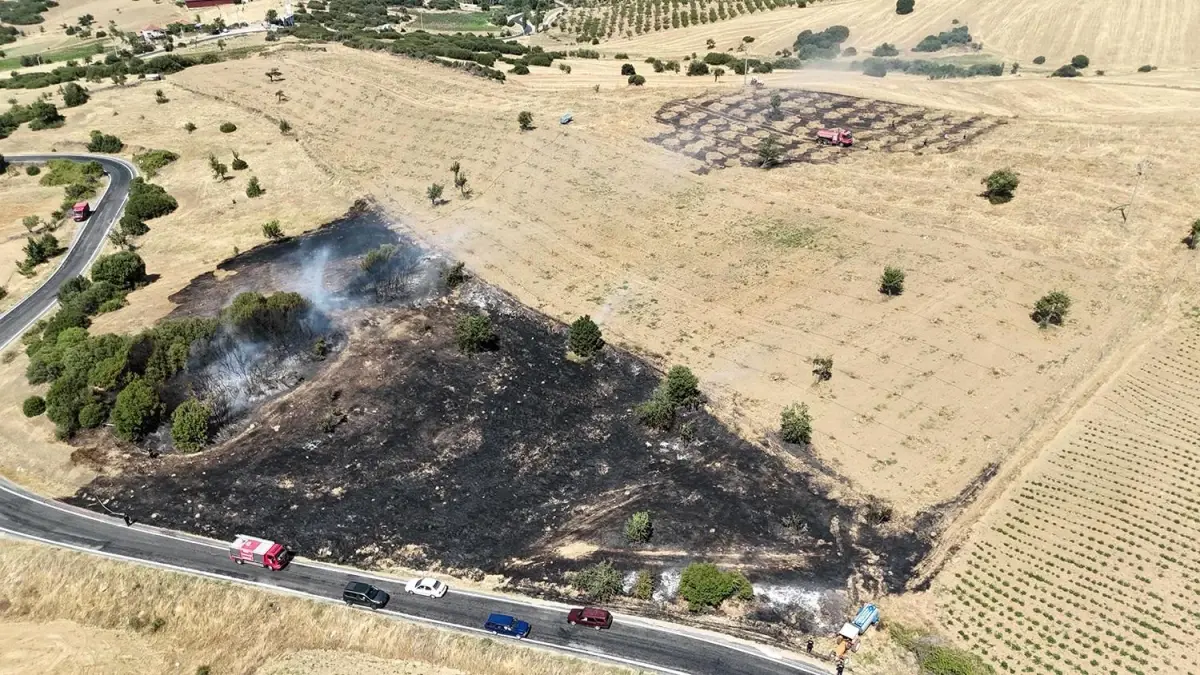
x: 641, y: 643
x: 88, y: 241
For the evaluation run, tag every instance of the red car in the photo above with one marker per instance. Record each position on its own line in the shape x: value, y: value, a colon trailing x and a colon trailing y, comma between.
x: 590, y: 616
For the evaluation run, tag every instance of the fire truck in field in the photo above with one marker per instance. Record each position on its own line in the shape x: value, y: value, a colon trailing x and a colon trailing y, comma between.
x: 256, y: 551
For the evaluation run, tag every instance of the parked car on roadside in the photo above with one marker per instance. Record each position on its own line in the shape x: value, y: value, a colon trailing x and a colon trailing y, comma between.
x: 593, y: 617
x: 364, y: 594
x: 430, y: 588
x: 503, y: 624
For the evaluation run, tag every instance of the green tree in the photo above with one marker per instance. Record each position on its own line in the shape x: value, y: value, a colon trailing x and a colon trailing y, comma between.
x: 697, y: 68
x: 643, y: 586
x: 658, y: 412
x: 600, y: 582
x: 1039, y: 60
x: 681, y: 386
x: 636, y: 80
x: 284, y: 127
x: 1193, y: 238
x: 189, y: 127
x: 33, y: 406
x: 455, y: 168
x: 271, y: 230
x: 1051, y: 309
x: 455, y: 275
x: 705, y: 585
x: 769, y: 152
x: 74, y: 95
x: 238, y: 163
x: 92, y: 414
x: 254, y: 188
x: 905, y: 6
x: 228, y: 127
x: 474, y: 333
x: 584, y: 338
x: 639, y: 528
x: 525, y: 120
x: 190, y: 425
x: 124, y: 269
x: 460, y: 182
x: 892, y: 281
x: 1080, y: 61
x: 137, y: 410
x: 885, y: 50
x: 1066, y: 70
x: 627, y: 69
x: 219, y: 170
x: 999, y: 186
x: 434, y: 193
x: 795, y: 424
x: 102, y: 142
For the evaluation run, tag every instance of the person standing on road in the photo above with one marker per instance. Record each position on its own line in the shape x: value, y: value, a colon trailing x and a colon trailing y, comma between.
x: 809, y: 646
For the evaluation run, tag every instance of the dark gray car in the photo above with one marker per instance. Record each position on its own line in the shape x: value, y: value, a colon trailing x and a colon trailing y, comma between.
x: 359, y: 593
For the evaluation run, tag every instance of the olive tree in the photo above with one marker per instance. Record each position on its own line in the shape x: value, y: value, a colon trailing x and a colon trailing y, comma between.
x: 1051, y: 309
x: 1000, y: 185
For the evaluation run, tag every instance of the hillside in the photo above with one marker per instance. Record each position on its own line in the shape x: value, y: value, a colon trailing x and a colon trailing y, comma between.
x: 1114, y: 33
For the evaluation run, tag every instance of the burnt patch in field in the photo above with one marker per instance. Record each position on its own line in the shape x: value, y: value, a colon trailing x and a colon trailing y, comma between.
x: 723, y: 130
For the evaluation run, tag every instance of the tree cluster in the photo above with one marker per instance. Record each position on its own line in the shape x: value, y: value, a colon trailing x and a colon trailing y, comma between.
x: 826, y: 44
x: 704, y: 585
x: 679, y: 389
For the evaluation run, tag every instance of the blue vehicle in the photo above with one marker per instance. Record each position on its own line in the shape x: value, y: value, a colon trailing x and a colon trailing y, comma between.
x: 503, y: 624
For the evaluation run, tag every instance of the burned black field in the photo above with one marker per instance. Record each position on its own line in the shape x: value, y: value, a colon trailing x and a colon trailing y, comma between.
x: 401, y: 449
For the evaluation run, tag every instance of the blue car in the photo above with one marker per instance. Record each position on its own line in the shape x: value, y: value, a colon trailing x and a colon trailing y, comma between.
x: 503, y: 624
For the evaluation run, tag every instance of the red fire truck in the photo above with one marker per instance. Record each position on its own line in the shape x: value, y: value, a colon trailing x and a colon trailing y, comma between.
x: 81, y: 211
x: 259, y: 552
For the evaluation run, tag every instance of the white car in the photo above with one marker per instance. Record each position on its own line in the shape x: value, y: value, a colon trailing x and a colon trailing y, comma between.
x: 430, y: 588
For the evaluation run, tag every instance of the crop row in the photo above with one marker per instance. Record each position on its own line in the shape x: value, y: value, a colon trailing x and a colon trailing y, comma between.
x: 635, y: 17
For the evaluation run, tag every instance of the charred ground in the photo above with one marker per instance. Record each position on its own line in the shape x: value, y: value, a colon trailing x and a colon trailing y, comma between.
x: 403, y: 449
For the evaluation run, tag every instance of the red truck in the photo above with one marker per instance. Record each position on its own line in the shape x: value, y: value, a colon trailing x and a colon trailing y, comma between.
x: 263, y: 552
x: 835, y: 136
x: 81, y: 211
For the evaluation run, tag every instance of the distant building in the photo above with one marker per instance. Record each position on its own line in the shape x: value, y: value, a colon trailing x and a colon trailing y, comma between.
x: 195, y: 4
x: 152, y: 33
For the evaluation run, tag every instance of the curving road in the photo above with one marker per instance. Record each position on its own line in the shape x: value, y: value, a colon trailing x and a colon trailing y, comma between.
x: 641, y: 643
x: 89, y: 240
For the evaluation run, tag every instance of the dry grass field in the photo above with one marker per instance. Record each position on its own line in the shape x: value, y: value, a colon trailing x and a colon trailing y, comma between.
x: 24, y: 196
x: 63, y: 612
x: 1116, y: 34
x: 1085, y: 565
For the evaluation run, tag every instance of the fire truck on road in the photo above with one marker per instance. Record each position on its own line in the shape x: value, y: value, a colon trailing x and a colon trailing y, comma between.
x: 256, y: 551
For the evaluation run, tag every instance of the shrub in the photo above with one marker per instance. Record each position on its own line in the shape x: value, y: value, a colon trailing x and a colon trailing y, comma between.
x: 892, y: 281
x: 718, y: 58
x: 272, y: 317
x: 254, y: 188
x: 189, y: 127
x: 885, y: 49
x: 1146, y: 68
x: 1080, y: 61
x: 148, y: 201
x: 658, y: 412
x: 1193, y: 238
x: 434, y: 193
x: 643, y: 586
x: 474, y: 333
x: 137, y: 410
x: 101, y: 142
x: 153, y: 160
x: 769, y: 152
x: 636, y: 80
x: 31, y: 170
x: 697, y: 68
x: 543, y: 60
x: 930, y: 43
x: 92, y: 415
x: 519, y: 69
x: 1067, y: 70
x: 43, y: 115
x: 1051, y: 309
x: 639, y: 528
x: 620, y: 56
x: 271, y: 230
x: 875, y: 69
x: 284, y: 127
x: 705, y: 585
x: 681, y: 386
x: 823, y: 368
x: 71, y: 288
x: 628, y: 69
x: 74, y: 95
x: 795, y: 425
x: 849, y: 51
x: 132, y: 226
x: 999, y: 186
x: 228, y: 127
x: 601, y: 582
x: 124, y: 269
x: 1039, y: 60
x: 455, y: 275
x: 583, y: 337
x: 238, y: 164
x: 525, y: 120
x: 33, y: 406
x: 904, y: 6
x: 190, y: 424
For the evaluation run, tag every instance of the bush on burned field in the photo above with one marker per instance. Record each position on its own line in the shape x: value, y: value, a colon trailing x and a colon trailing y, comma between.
x: 679, y: 388
x: 639, y: 528
x: 137, y: 410
x: 601, y: 582
x: 474, y: 333
x: 705, y: 585
x: 583, y: 338
x: 275, y: 317
x: 190, y: 425
x: 643, y: 586
x: 682, y: 386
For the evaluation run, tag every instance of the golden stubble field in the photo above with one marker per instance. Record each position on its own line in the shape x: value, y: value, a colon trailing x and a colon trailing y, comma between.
x: 1117, y: 35
x: 745, y: 275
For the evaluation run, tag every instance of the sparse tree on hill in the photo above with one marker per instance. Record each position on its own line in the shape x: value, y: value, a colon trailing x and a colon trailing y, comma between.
x: 769, y: 152
x: 189, y: 127
x: 1051, y: 309
x: 460, y: 182
x: 584, y: 338
x: 639, y: 528
x: 238, y: 163
x: 474, y: 333
x: 284, y: 127
x: 710, y: 44
x: 455, y: 168
x: 271, y: 230
x: 434, y: 193
x: 627, y: 69
x: 254, y: 188
x: 822, y: 368
x: 1039, y: 60
x: 1193, y: 238
x: 1080, y: 61
x: 636, y: 80
x: 160, y: 97
x: 280, y: 97
x: 796, y: 424
x: 525, y: 120
x: 905, y: 6
x: 219, y: 170
x: 892, y: 281
x: 1000, y: 185
x: 74, y: 95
